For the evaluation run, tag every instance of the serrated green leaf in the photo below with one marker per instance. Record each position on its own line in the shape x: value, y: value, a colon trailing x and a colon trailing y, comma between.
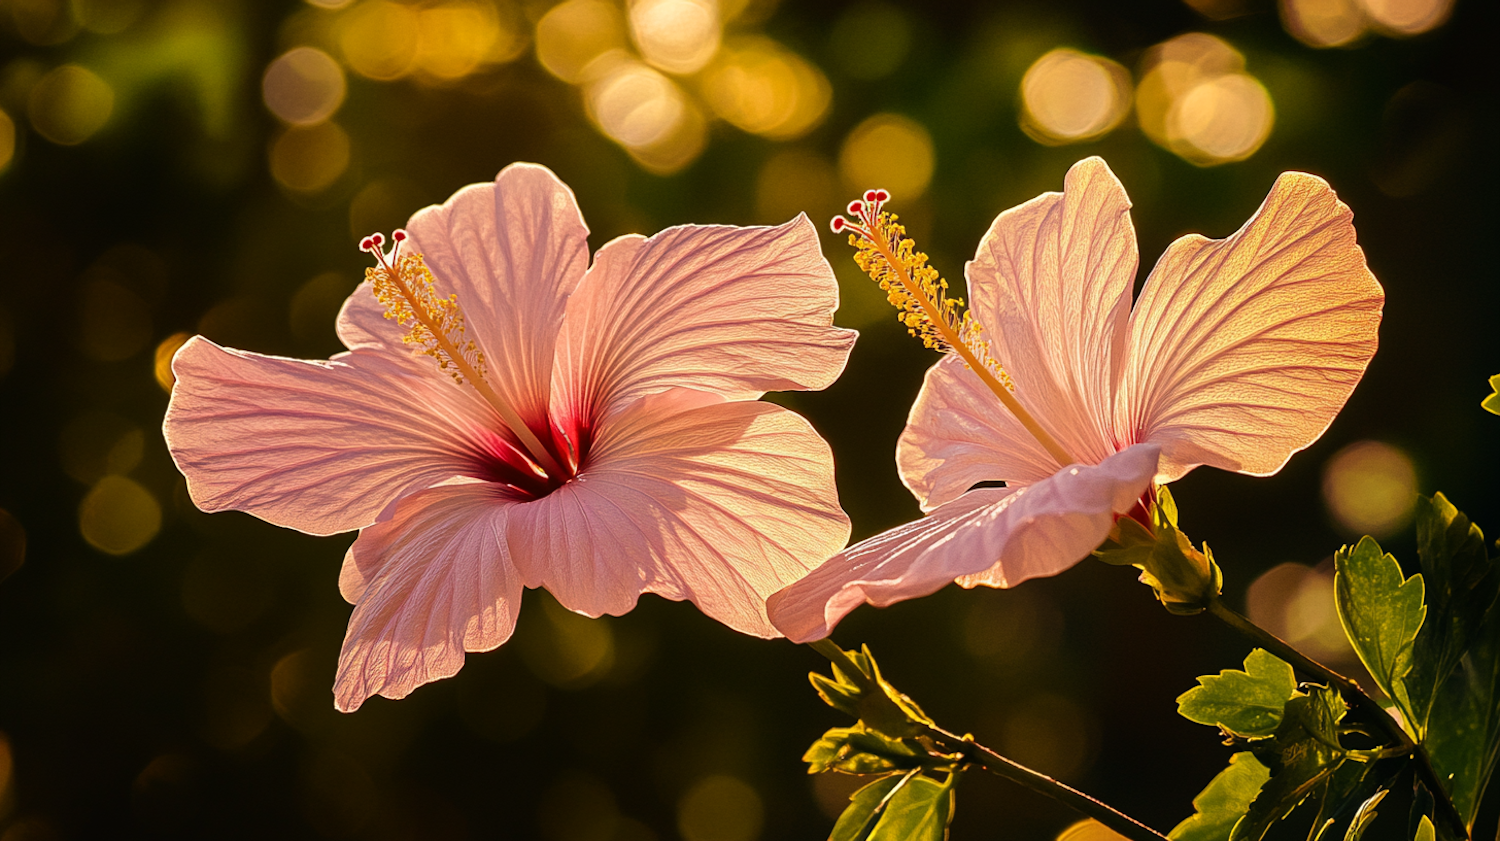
x: 1463, y: 736
x: 1381, y: 611
x: 1244, y: 703
x: 1491, y: 404
x: 897, y: 808
x: 858, y: 750
x: 1349, y: 787
x: 1364, y: 816
x: 1225, y: 800
x: 1425, y: 830
x: 1302, y: 754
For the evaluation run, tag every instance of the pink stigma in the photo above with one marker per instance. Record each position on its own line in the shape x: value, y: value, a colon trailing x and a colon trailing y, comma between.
x: 838, y: 224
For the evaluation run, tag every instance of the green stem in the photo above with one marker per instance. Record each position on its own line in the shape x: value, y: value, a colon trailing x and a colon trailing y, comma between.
x: 1354, y: 694
x: 977, y: 754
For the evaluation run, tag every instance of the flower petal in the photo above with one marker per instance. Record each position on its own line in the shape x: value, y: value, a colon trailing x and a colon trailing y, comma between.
x: 733, y: 311
x: 1243, y: 349
x: 431, y: 582
x: 958, y: 435
x: 320, y: 447
x: 998, y: 537
x: 512, y: 252
x: 689, y: 497
x: 1051, y: 285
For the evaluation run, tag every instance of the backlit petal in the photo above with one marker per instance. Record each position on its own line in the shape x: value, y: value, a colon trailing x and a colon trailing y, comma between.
x: 733, y: 311
x: 998, y: 537
x: 430, y: 583
x: 1243, y: 349
x: 512, y: 252
x: 959, y: 434
x: 1051, y: 284
x: 320, y: 447
x: 691, y: 498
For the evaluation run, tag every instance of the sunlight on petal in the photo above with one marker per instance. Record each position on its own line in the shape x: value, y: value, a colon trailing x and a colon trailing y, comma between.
x: 757, y: 85
x: 891, y: 152
x: 678, y: 36
x: 1068, y: 97
x: 304, y: 86
x: 1370, y: 488
x: 118, y: 516
x: 1323, y: 23
x: 574, y: 34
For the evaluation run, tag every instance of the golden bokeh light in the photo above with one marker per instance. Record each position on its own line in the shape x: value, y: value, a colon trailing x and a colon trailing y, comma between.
x: 70, y: 104
x: 1370, y: 488
x: 304, y: 86
x: 455, y: 39
x: 761, y: 87
x: 306, y: 159
x: 720, y: 808
x: 678, y: 36
x: 574, y: 34
x: 41, y: 22
x: 106, y: 17
x: 571, y: 651
x: 1089, y: 829
x: 7, y: 140
x: 1407, y: 17
x: 329, y: 4
x: 647, y: 113
x: 1323, y: 23
x: 1223, y: 119
x: 1068, y: 96
x: 890, y: 152
x: 118, y: 516
x: 1196, y: 99
x: 162, y: 363
x: 796, y: 181
x: 379, y: 39
x: 1296, y: 602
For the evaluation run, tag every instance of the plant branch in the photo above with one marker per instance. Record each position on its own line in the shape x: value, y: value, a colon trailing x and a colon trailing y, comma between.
x: 1355, y: 694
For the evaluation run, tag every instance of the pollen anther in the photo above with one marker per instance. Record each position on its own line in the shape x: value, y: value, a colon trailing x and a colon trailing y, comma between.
x: 435, y: 324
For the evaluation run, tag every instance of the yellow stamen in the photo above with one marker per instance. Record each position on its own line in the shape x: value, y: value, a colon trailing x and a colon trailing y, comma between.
x: 920, y: 295
x: 436, y: 328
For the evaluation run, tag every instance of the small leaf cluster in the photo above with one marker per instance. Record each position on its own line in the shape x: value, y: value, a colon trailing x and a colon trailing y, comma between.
x: 1431, y: 642
x: 912, y: 795
x: 1184, y: 579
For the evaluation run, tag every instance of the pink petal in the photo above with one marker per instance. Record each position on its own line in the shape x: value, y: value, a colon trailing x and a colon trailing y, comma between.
x: 320, y: 447
x: 691, y: 498
x: 959, y: 434
x: 430, y: 583
x: 998, y: 537
x: 512, y: 252
x: 1243, y: 349
x: 1051, y: 284
x: 733, y: 311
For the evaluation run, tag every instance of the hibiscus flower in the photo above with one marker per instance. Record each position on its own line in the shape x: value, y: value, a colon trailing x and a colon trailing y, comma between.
x: 509, y: 416
x: 1238, y: 353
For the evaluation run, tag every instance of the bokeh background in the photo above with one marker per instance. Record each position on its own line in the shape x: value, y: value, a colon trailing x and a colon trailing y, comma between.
x: 208, y: 166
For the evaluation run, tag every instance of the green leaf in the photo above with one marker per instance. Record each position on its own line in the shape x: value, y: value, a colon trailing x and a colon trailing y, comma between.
x: 1247, y: 703
x: 897, y: 808
x: 1225, y: 800
x: 1462, y: 584
x: 1381, y: 611
x: 1303, y: 753
x: 1455, y: 680
x: 1364, y: 816
x: 859, y: 750
x: 886, y: 711
x: 1183, y: 578
x: 1425, y: 830
x: 1491, y: 404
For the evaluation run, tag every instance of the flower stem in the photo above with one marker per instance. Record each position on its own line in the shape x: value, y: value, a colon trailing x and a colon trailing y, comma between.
x: 1357, y: 697
x: 1001, y: 766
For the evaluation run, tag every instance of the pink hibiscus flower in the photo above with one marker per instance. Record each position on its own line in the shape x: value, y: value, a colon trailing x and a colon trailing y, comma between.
x: 1239, y: 353
x: 594, y: 430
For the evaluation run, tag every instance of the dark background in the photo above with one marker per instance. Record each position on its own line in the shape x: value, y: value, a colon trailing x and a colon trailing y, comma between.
x: 181, y: 690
